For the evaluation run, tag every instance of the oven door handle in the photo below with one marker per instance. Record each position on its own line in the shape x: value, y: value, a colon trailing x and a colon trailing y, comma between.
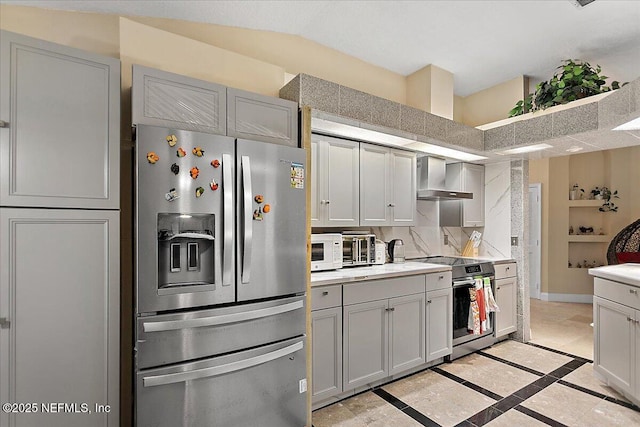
x: 172, y: 325
x: 463, y: 283
x: 155, y: 380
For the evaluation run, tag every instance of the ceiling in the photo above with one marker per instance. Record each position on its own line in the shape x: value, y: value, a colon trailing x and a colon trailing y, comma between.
x: 482, y: 43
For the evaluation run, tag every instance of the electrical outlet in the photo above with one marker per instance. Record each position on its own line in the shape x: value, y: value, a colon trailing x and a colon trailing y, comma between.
x: 514, y: 240
x: 446, y: 240
x: 303, y: 385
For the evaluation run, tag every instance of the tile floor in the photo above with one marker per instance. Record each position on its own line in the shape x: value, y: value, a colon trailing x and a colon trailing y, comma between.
x: 509, y: 384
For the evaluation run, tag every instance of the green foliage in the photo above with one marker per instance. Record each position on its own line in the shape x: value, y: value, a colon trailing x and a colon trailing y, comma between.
x: 575, y: 79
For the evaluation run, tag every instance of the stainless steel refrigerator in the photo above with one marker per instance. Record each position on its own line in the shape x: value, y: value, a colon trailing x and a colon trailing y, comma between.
x: 220, y: 280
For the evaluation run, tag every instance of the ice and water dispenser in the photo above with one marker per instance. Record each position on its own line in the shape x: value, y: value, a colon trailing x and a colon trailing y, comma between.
x: 185, y: 250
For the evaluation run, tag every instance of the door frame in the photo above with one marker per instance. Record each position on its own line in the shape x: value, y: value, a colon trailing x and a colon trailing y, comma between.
x: 535, y: 214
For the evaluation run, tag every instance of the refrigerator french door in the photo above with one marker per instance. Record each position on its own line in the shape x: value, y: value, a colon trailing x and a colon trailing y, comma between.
x: 271, y: 256
x: 220, y: 280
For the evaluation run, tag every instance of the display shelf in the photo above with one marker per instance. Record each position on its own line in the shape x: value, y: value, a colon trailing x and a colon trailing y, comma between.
x: 585, y: 203
x: 588, y: 238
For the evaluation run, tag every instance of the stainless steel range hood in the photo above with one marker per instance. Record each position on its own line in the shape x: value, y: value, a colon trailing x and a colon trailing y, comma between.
x: 431, y: 181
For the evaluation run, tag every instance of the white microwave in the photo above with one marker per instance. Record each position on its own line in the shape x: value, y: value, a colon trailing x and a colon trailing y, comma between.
x: 326, y: 251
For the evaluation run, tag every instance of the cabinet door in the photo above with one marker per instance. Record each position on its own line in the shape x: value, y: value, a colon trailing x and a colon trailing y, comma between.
x: 473, y: 209
x: 60, y: 291
x: 366, y: 343
x: 403, y: 187
x: 262, y: 118
x: 439, y: 323
x: 326, y: 333
x: 406, y: 333
x: 60, y: 146
x: 342, y: 187
x: 506, y: 298
x: 171, y: 100
x: 613, y: 339
x: 375, y: 178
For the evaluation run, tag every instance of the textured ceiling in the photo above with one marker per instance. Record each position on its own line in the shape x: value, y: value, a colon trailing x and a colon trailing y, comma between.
x: 481, y: 42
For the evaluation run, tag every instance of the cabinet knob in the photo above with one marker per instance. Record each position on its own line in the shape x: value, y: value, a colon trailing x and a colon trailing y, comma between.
x: 392, y: 205
x: 508, y: 268
x: 4, y: 124
x: 4, y: 322
x: 633, y: 291
x: 428, y: 301
x: 327, y: 202
x: 325, y: 293
x: 440, y: 277
x: 390, y: 309
x: 498, y: 287
x: 629, y: 319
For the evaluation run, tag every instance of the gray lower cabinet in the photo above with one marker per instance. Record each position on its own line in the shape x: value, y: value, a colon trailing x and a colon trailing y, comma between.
x: 506, y: 298
x: 60, y: 136
x: 261, y: 118
x: 59, y: 302
x: 164, y: 99
x: 439, y: 324
x: 383, y: 329
x: 406, y: 332
x: 366, y: 343
x: 326, y: 333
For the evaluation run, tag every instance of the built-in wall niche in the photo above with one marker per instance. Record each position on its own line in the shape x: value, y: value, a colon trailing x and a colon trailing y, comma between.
x: 587, y: 254
x: 589, y: 170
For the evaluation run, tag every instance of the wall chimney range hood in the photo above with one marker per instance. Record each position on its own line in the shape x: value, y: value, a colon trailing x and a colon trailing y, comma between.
x: 431, y: 181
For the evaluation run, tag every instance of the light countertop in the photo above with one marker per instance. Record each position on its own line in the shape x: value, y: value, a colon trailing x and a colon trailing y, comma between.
x: 354, y: 274
x: 624, y: 273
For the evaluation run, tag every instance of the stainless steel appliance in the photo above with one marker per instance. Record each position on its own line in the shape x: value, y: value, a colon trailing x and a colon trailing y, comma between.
x: 396, y: 251
x: 220, y: 250
x: 326, y: 251
x: 358, y: 249
x: 432, y: 173
x: 464, y: 271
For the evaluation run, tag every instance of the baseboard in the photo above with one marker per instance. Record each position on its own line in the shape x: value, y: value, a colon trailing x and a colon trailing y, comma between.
x: 580, y: 298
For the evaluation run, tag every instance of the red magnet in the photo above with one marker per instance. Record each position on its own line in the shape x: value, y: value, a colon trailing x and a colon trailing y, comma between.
x: 213, y: 184
x: 215, y: 163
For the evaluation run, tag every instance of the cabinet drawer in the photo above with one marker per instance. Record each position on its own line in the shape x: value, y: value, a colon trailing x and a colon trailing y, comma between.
x: 505, y: 270
x: 382, y: 289
x: 617, y: 292
x: 440, y: 280
x: 326, y: 297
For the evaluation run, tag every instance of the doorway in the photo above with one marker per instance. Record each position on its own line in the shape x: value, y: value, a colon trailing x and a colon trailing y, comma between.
x: 535, y: 235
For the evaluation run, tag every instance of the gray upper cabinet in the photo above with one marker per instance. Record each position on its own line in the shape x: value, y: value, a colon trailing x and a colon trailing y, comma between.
x: 387, y: 186
x: 171, y: 100
x: 468, y: 212
x: 60, y: 143
x: 261, y: 118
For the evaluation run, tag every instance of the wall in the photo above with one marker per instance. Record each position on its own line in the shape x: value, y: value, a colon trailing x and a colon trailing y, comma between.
x: 616, y: 169
x: 494, y: 103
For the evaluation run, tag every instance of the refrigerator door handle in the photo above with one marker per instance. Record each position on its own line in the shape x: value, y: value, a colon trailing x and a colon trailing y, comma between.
x: 177, y: 377
x: 247, y: 218
x: 227, y: 194
x: 171, y: 325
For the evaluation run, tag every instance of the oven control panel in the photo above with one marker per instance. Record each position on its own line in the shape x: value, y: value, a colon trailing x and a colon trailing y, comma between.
x: 473, y: 269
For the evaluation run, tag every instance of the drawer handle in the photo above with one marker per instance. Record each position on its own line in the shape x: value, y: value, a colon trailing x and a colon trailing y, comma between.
x: 325, y: 293
x: 633, y: 291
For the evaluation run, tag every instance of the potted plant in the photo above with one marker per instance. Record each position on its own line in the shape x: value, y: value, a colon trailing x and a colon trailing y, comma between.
x: 574, y: 79
x: 607, y: 195
x: 596, y: 193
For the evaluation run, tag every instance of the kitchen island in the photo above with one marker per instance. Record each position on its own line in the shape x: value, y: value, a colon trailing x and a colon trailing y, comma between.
x: 616, y: 332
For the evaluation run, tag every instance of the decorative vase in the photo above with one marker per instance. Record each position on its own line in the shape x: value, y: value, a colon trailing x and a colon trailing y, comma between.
x: 572, y: 194
x: 598, y: 197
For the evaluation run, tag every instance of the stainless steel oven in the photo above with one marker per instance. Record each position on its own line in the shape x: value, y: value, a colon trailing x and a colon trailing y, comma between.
x: 467, y: 274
